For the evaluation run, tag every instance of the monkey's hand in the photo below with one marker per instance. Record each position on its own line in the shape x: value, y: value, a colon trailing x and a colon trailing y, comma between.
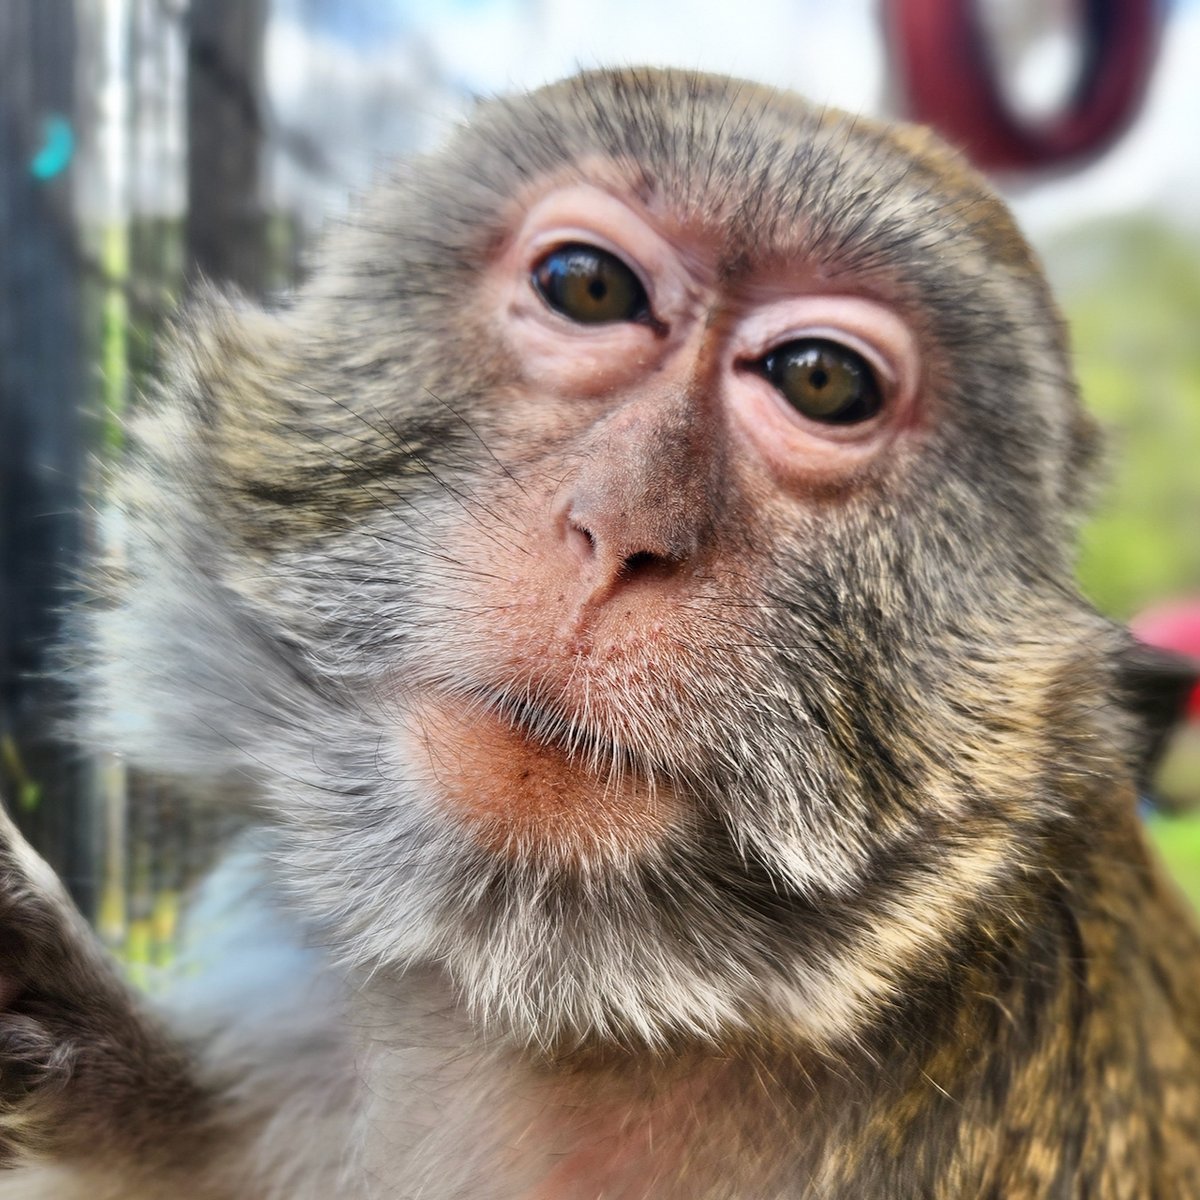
x: 86, y: 1074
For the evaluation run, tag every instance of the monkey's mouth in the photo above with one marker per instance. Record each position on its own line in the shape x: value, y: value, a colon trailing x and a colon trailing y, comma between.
x: 524, y: 778
x: 545, y: 725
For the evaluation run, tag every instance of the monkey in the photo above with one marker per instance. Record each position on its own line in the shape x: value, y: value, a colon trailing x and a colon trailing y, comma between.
x: 632, y: 581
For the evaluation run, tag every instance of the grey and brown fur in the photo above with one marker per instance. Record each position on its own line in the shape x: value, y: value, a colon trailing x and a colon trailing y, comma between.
x: 906, y: 941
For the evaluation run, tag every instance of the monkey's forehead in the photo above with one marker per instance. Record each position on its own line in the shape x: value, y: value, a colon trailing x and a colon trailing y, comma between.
x: 768, y: 173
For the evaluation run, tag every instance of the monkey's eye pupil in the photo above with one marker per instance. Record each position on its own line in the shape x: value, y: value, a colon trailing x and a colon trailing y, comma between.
x: 824, y: 380
x: 590, y: 285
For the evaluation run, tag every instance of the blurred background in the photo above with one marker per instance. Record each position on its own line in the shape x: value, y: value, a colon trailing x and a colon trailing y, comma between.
x: 145, y: 143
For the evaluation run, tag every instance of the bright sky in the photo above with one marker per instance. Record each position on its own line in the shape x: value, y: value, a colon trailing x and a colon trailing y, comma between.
x: 832, y: 50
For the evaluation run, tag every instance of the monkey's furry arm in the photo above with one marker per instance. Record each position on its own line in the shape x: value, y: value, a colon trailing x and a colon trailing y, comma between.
x: 99, y: 1097
x: 83, y: 1066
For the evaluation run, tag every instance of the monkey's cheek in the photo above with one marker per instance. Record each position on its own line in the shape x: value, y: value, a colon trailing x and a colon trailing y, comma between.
x: 517, y: 797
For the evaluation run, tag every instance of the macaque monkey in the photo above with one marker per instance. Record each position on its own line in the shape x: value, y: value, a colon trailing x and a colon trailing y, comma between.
x: 634, y: 578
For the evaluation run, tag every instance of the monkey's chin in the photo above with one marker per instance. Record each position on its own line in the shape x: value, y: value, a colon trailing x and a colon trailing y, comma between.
x: 519, y: 795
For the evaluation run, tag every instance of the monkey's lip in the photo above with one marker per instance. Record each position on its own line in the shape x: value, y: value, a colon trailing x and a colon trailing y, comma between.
x: 547, y: 726
x: 524, y: 779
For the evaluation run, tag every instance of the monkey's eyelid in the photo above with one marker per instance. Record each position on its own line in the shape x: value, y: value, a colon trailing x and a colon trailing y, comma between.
x: 561, y: 236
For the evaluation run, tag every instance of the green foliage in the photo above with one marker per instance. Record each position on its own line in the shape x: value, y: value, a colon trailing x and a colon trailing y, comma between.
x: 28, y: 792
x: 1178, y: 841
x: 1131, y: 292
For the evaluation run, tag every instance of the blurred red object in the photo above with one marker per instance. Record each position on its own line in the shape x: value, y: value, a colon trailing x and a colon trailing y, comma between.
x: 949, y: 80
x: 1173, y: 627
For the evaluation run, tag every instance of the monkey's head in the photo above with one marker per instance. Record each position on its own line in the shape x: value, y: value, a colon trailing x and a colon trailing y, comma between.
x: 636, y: 569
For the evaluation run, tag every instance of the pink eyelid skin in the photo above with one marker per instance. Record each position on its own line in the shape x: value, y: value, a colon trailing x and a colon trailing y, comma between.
x: 596, y: 218
x: 681, y: 286
x: 791, y: 442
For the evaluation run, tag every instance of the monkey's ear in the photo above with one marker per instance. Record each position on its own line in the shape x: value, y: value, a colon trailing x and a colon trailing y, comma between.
x: 1155, y: 685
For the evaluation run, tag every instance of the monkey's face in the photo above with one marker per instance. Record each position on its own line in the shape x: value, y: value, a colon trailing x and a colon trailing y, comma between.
x: 641, y: 557
x: 661, y: 427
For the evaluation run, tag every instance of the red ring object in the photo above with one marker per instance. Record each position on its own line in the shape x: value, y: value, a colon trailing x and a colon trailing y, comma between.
x: 950, y: 82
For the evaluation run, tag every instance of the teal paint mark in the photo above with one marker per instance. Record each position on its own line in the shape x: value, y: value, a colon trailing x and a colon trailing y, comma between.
x: 58, y: 147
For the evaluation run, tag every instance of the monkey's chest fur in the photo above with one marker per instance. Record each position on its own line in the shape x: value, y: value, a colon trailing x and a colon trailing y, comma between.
x: 1058, y: 1062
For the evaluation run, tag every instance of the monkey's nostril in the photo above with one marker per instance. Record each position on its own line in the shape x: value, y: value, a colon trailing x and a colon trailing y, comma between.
x: 581, y: 538
x: 639, y: 562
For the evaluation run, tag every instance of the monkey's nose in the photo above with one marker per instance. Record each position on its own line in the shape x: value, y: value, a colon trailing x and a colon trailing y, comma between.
x: 609, y: 550
x: 641, y: 506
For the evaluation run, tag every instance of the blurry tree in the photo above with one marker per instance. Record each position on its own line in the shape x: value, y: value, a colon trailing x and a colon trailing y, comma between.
x: 1131, y: 291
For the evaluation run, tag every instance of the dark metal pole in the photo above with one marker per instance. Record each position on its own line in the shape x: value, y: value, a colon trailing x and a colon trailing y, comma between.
x: 226, y: 229
x: 42, y: 395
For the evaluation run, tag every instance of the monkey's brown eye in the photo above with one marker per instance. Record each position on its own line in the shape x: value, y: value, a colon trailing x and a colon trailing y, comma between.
x: 824, y: 380
x: 590, y: 286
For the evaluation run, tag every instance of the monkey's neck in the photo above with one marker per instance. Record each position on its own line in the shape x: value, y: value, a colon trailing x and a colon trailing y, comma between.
x: 1009, y: 1044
